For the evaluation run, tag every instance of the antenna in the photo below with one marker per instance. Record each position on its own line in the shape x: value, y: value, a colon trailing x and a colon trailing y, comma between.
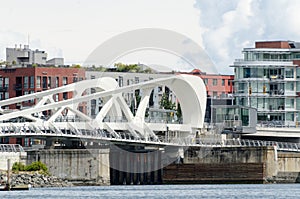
x: 28, y: 40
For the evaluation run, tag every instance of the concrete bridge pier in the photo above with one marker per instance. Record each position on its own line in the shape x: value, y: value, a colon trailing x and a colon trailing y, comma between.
x: 135, y: 167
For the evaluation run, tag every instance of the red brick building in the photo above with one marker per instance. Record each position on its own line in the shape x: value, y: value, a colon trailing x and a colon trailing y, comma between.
x: 217, y: 86
x: 18, y: 81
x: 219, y: 90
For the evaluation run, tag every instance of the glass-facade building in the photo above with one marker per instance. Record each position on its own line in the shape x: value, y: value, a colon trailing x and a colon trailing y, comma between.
x: 268, y: 79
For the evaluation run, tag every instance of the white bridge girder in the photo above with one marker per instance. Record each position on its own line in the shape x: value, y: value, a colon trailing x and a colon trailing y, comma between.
x: 65, y: 116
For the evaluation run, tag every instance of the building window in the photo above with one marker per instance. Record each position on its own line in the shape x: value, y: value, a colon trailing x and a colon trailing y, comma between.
x: 56, y: 82
x: 289, y: 73
x: 93, y: 77
x: 289, y: 103
x: 75, y: 79
x: 56, y: 97
x: 215, y: 82
x: 120, y: 81
x: 6, y: 82
x: 223, y: 95
x: 31, y: 81
x: 26, y: 82
x: 49, y: 82
x: 65, y: 95
x: 215, y: 94
x: 6, y: 95
x: 228, y: 82
x: 44, y: 82
x: 223, y: 82
x: 205, y: 81
x: 137, y: 80
x: 65, y: 81
x: 246, y: 72
x: 38, y: 82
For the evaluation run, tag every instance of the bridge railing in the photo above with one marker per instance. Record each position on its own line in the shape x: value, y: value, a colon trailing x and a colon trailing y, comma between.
x: 11, y: 148
x: 69, y: 118
x: 128, y: 136
x: 282, y: 146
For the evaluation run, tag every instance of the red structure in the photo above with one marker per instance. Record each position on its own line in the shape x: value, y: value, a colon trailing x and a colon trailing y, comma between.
x: 217, y: 86
x: 18, y: 81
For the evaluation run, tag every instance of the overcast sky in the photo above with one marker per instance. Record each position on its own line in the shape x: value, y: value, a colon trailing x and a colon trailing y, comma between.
x: 73, y: 29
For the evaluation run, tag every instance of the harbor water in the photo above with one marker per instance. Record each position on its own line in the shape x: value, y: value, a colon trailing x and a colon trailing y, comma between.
x: 162, y: 191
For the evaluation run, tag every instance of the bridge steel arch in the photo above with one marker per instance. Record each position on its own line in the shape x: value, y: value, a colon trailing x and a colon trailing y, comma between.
x: 190, y: 91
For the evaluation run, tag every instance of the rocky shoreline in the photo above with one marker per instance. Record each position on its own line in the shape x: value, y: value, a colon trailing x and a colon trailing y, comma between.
x: 35, y: 180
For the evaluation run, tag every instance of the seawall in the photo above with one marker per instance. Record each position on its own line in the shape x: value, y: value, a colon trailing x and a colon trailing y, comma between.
x: 200, y: 165
x: 235, y: 165
x: 79, y: 166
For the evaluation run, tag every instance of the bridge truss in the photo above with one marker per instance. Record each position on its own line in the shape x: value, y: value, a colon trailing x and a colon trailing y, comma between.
x: 115, y: 121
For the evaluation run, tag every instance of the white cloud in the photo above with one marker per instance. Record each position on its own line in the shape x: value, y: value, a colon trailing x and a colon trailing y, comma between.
x: 75, y: 28
x: 233, y: 25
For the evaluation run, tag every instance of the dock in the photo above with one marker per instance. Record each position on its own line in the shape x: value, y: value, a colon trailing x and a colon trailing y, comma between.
x: 15, y: 188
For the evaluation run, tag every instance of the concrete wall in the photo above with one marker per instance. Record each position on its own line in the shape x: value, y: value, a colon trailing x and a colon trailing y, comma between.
x: 234, y: 155
x: 288, y: 167
x: 225, y: 155
x: 13, y: 156
x: 81, y: 165
x: 278, y: 166
x: 288, y: 162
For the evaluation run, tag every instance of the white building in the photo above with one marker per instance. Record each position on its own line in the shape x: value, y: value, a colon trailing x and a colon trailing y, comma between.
x: 125, y: 79
x: 19, y: 56
x: 267, y: 78
x: 24, y: 56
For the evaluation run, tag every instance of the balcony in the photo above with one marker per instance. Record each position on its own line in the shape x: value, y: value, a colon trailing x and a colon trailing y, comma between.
x: 276, y: 77
x: 276, y: 92
x: 4, y: 88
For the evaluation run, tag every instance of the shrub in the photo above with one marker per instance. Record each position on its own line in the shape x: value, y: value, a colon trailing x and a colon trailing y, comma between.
x: 18, y: 166
x: 36, y: 166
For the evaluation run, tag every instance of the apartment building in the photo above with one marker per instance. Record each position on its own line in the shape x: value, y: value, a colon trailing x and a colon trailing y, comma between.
x: 267, y: 79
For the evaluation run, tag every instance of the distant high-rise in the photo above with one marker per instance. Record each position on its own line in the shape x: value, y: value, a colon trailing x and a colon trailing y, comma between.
x: 19, y: 56
x: 24, y: 56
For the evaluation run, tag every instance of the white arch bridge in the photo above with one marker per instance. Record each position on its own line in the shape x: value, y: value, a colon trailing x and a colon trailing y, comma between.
x: 115, y: 121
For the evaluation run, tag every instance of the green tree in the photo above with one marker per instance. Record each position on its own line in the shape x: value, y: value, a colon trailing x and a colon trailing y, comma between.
x: 76, y: 66
x: 18, y: 166
x: 136, y: 102
x: 165, y: 103
x: 36, y: 166
x: 179, y: 111
x: 134, y: 68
